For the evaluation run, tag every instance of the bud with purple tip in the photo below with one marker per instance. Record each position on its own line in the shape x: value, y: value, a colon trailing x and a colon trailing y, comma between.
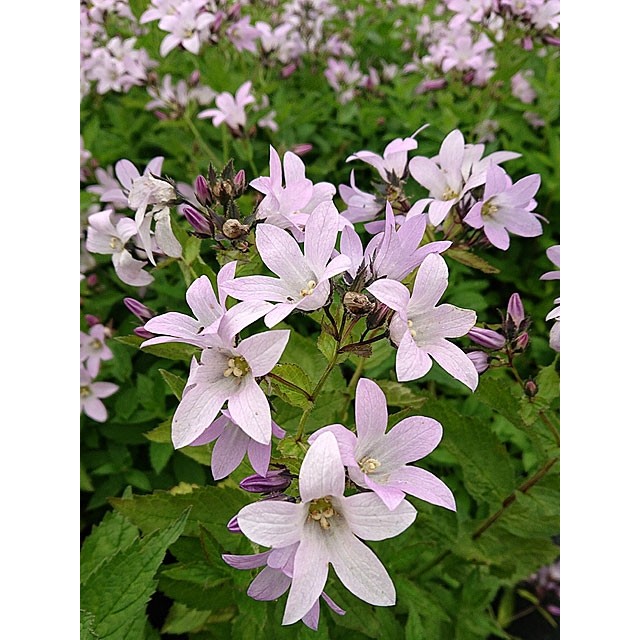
x: 92, y: 320
x: 233, y: 525
x: 203, y: 193
x: 194, y: 78
x: 486, y: 338
x: 277, y: 480
x: 480, y: 360
x: 139, y: 310
x: 522, y: 341
x: 302, y: 148
x: 431, y: 85
x: 288, y: 70
x: 240, y: 182
x: 379, y: 316
x: 515, y: 310
x: 197, y: 220
x: 530, y: 388
x: 527, y: 43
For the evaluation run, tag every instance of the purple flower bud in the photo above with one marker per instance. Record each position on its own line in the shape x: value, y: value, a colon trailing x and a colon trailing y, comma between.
x: 486, y: 338
x: 468, y: 77
x: 143, y: 333
x: 203, y: 193
x: 235, y: 10
x: 301, y: 149
x: 92, y: 320
x: 522, y: 341
x: 160, y: 115
x: 233, y: 525
x: 552, y: 40
x: 92, y: 280
x: 194, y: 78
x: 515, y: 310
x: 277, y: 480
x: 530, y: 388
x: 431, y: 85
x: 527, y: 43
x: 240, y: 180
x: 196, y: 220
x: 141, y: 311
x: 480, y: 360
x: 288, y: 70
x: 378, y: 316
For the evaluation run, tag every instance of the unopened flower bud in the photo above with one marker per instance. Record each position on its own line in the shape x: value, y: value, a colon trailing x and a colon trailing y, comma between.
x: 235, y: 10
x: 161, y: 115
x: 203, y: 193
x: 194, y: 78
x: 141, y: 332
x: 233, y: 525
x: 552, y: 40
x: 515, y: 310
x: 527, y: 43
x: 486, y: 338
x: 197, y: 220
x: 357, y: 303
x: 92, y: 280
x: 240, y: 182
x: 233, y: 229
x: 480, y: 360
x: 277, y: 480
x: 468, y: 77
x: 431, y: 85
x: 141, y: 311
x: 530, y: 388
x: 92, y: 320
x: 288, y: 70
x: 301, y: 149
x: 378, y: 316
x: 522, y: 341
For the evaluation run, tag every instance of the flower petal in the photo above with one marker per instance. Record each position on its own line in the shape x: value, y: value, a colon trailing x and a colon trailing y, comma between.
x: 272, y: 523
x: 424, y: 485
x: 322, y: 471
x: 371, y: 413
x: 369, y: 518
x: 455, y: 362
x: 263, y: 350
x: 249, y: 409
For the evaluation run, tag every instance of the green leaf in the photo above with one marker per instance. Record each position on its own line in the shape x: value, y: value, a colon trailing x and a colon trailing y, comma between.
x: 87, y: 626
x: 191, y: 249
x: 159, y: 454
x: 162, y: 433
x: 118, y: 592
x: 296, y: 375
x: 211, y: 506
x: 182, y: 619
x: 400, y: 395
x: 113, y: 534
x: 173, y: 351
x: 175, y: 383
x: 471, y: 260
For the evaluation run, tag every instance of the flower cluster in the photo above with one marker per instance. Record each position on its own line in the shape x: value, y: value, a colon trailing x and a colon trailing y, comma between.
x: 171, y: 100
x: 553, y: 253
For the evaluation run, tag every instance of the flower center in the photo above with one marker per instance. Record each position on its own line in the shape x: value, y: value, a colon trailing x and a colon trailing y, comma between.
x: 237, y: 367
x: 116, y: 244
x: 412, y: 331
x: 311, y: 285
x: 322, y: 511
x: 449, y: 194
x: 85, y: 391
x: 488, y: 210
x: 368, y: 465
x: 95, y: 344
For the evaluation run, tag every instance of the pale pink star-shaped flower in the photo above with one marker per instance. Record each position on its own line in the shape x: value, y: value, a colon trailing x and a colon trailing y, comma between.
x: 93, y: 348
x: 91, y: 394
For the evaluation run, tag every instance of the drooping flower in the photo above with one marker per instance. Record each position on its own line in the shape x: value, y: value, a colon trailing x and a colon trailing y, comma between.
x: 329, y: 528
x: 378, y: 461
x: 303, y: 280
x: 91, y: 393
x: 93, y: 348
x: 232, y: 443
x: 506, y: 207
x: 275, y: 579
x: 420, y: 328
x: 109, y: 235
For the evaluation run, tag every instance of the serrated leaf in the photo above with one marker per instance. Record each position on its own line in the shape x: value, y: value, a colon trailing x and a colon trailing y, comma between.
x: 326, y: 345
x: 211, y: 506
x: 296, y: 375
x: 113, y: 534
x: 182, y: 619
x: 162, y: 433
x: 175, y: 383
x: 400, y: 395
x: 118, y: 592
x: 471, y: 260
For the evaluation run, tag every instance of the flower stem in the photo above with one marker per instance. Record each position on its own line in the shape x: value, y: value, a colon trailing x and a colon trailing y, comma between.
x: 289, y: 384
x: 200, y: 140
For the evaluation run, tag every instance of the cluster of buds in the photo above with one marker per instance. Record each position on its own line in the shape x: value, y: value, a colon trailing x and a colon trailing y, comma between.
x: 215, y: 193
x: 143, y: 313
x: 511, y: 337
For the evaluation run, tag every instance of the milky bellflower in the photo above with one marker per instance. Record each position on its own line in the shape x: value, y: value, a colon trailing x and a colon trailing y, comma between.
x: 227, y: 373
x: 329, y: 528
x: 93, y: 348
x: 392, y: 165
x: 378, y: 461
x: 303, y: 280
x: 506, y: 207
x: 91, y: 393
x: 230, y: 109
x: 420, y: 328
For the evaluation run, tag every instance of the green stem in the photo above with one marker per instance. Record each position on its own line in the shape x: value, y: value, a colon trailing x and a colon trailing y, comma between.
x: 289, y: 384
x: 200, y: 140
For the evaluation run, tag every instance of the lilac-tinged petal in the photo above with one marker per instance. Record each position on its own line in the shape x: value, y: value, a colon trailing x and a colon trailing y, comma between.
x: 431, y: 282
x: 391, y: 293
x: 452, y: 321
x: 360, y: 570
x: 553, y: 253
x: 203, y: 302
x: 339, y: 264
x: 126, y: 172
x: 249, y: 409
x: 164, y: 235
x: 272, y: 523
x: 228, y: 451
x: 239, y: 317
x: 520, y: 222
x: 497, y: 235
x: 154, y: 166
x: 279, y: 312
x: 427, y: 173
x: 452, y: 153
x: 294, y: 169
x: 390, y: 496
x: 252, y: 561
x: 259, y: 456
x: 424, y: 485
x: 95, y: 409
x: 213, y: 431
x: 198, y: 409
x: 351, y: 245
x: 310, y: 571
x: 130, y: 270
x: 438, y: 210
x: 263, y: 350
x: 371, y: 413
x: 550, y: 275
x: 275, y: 167
x: 524, y: 190
x: 370, y: 520
x: 103, y: 389
x: 411, y: 439
x: 280, y: 252
x: 346, y: 442
x: 322, y: 471
x: 269, y: 584
x: 455, y: 362
x: 321, y: 232
x: 173, y: 324
x: 226, y: 274
x: 312, y: 617
x: 295, y: 196
x: 474, y: 217
x: 411, y: 361
x: 257, y: 288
